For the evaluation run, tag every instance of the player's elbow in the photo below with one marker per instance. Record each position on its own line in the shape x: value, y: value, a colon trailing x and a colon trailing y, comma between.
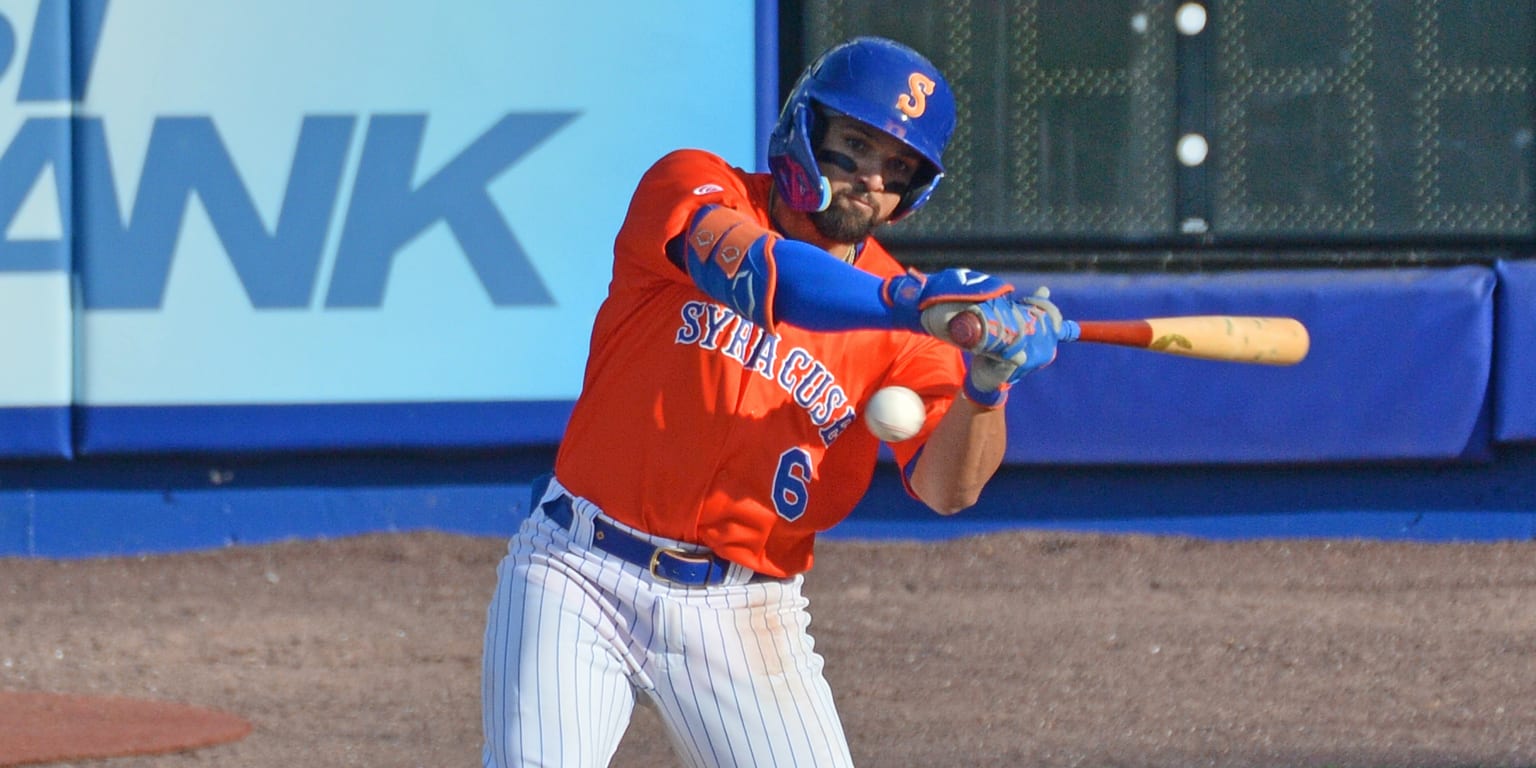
x: 944, y: 489
x: 950, y: 501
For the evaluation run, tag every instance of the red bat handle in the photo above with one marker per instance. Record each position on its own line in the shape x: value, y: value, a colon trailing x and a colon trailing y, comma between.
x: 965, y: 330
x: 1130, y: 333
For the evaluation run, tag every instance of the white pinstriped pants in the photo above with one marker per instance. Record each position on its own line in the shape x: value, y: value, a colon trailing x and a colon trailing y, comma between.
x: 573, y: 635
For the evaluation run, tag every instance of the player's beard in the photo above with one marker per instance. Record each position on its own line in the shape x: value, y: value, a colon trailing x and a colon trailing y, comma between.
x: 845, y: 222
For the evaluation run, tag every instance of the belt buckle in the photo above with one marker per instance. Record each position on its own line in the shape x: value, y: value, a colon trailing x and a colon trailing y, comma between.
x: 701, y: 559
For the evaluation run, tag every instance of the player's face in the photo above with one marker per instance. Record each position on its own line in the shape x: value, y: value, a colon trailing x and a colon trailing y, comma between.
x: 869, y: 171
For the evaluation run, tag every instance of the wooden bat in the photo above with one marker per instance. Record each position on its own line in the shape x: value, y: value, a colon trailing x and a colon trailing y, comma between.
x: 1233, y: 338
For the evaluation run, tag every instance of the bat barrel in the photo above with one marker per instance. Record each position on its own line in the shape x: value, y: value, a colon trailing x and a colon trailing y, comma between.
x: 1240, y: 339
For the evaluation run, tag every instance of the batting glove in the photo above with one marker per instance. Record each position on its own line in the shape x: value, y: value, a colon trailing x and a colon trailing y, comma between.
x: 1019, y: 337
x: 925, y: 303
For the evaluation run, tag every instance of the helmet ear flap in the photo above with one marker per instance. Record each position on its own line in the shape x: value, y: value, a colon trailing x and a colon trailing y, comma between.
x: 792, y: 159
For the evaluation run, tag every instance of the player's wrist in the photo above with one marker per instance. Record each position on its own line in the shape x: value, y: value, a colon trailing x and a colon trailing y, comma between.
x: 986, y: 399
x: 901, y: 294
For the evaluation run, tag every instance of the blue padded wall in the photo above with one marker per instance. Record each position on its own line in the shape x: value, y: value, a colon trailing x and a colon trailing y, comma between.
x: 1398, y: 369
x: 1514, y: 415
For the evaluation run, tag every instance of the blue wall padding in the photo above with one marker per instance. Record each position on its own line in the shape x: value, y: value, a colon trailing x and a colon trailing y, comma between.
x: 92, y: 523
x: 336, y: 426
x: 1425, y: 501
x: 97, y: 507
x: 1399, y: 369
x: 35, y: 433
x: 1514, y: 354
x: 129, y: 505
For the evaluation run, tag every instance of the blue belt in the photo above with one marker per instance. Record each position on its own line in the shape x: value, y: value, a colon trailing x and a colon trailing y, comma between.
x: 665, y: 563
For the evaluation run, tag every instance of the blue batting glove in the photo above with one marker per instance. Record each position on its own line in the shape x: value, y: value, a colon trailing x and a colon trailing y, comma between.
x: 925, y: 303
x: 1019, y: 337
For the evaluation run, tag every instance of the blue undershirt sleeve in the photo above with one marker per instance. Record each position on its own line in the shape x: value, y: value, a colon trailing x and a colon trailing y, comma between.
x: 818, y: 292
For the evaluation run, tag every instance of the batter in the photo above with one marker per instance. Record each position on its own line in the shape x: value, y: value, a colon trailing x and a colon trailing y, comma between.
x: 749, y: 318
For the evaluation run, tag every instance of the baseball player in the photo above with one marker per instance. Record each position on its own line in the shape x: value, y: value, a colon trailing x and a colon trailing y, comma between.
x: 749, y: 318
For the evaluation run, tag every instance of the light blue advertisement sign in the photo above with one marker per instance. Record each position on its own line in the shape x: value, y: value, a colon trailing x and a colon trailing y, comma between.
x: 305, y: 204
x: 357, y: 202
x: 36, y: 325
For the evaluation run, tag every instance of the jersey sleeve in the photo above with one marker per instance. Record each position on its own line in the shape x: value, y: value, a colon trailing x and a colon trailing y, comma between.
x: 668, y: 195
x: 934, y: 371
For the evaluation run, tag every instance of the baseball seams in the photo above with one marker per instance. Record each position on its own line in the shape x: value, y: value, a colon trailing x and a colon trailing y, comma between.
x: 589, y: 632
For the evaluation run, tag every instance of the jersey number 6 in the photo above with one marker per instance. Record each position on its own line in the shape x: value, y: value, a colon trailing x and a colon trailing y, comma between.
x: 789, y: 483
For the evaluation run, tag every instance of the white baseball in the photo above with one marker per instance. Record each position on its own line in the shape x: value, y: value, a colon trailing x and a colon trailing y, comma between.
x: 894, y: 414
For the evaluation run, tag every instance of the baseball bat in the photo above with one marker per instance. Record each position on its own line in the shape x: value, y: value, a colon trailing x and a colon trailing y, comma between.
x: 1232, y: 338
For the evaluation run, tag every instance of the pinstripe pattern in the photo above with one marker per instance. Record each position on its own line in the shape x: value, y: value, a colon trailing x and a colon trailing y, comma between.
x: 573, y: 635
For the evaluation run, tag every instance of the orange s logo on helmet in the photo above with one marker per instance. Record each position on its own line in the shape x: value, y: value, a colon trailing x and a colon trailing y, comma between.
x: 915, y: 103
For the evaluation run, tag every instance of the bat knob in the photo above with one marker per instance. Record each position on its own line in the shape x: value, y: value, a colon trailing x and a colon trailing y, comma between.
x: 965, y: 330
x: 1070, y: 331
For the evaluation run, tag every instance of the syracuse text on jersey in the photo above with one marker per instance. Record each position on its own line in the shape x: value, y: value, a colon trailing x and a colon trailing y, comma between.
x: 798, y: 372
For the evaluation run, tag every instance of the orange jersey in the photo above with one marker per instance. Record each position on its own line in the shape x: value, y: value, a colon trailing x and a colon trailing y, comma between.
x: 698, y: 425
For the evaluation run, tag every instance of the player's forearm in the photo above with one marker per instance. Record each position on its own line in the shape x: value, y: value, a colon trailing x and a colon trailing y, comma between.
x: 816, y: 290
x: 960, y: 457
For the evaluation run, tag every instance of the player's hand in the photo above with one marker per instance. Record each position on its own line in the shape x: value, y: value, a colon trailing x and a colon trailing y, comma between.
x: 1020, y: 337
x: 925, y: 303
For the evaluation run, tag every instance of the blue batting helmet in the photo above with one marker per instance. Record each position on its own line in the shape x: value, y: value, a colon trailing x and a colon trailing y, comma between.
x: 880, y: 83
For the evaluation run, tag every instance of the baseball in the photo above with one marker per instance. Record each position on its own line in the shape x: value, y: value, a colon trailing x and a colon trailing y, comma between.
x: 894, y: 414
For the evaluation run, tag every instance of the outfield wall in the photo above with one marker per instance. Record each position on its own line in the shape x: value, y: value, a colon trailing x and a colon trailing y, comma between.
x: 320, y: 268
